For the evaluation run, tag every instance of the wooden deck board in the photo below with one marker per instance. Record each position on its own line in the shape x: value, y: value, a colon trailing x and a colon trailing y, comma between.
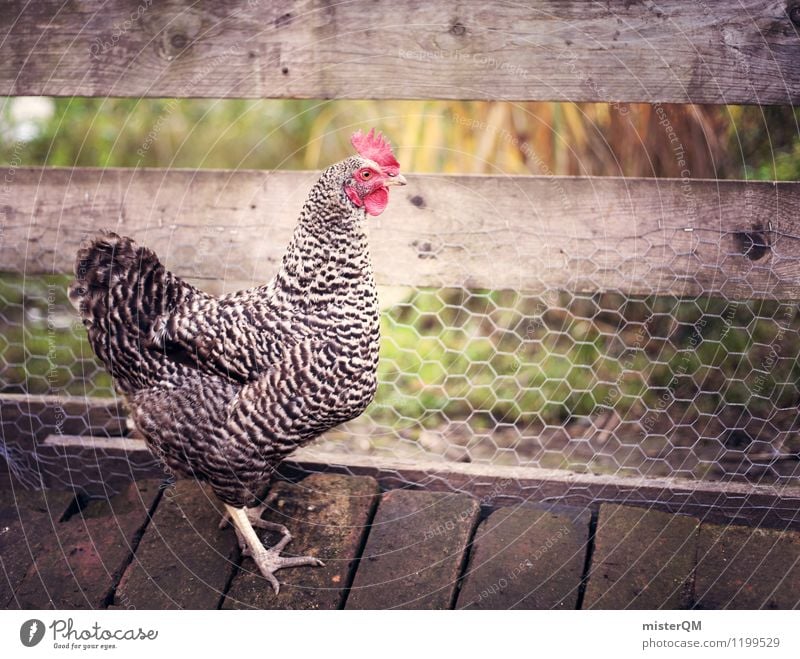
x: 415, y: 551
x: 184, y: 559
x: 527, y: 559
x: 744, y: 568
x: 327, y: 516
x: 28, y: 520
x: 85, y: 556
x: 411, y: 553
x: 643, y: 559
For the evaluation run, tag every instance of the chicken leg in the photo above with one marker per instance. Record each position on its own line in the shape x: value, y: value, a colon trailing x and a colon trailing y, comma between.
x: 269, y: 560
x: 254, y: 516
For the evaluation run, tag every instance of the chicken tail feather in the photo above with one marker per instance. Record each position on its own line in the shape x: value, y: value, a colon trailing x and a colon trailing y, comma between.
x: 124, y: 295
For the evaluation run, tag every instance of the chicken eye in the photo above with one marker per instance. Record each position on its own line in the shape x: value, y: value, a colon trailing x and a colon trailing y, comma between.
x: 365, y: 174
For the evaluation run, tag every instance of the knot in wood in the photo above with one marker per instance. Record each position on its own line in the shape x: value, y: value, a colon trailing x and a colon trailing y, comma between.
x: 794, y: 14
x: 179, y: 41
x: 173, y: 32
x: 752, y: 244
x: 425, y: 249
x: 458, y: 29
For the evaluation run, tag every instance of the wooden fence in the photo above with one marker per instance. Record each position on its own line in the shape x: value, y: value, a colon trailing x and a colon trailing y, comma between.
x: 640, y: 236
x: 672, y: 51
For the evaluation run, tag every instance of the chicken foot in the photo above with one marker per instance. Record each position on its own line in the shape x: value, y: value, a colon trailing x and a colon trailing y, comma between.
x: 269, y: 560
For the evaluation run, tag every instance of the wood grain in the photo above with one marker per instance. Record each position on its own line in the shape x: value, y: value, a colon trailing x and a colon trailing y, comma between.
x: 328, y: 516
x: 640, y: 236
x: 745, y: 568
x: 643, y: 559
x: 96, y: 466
x: 415, y: 551
x: 184, y: 560
x: 672, y: 51
x: 526, y: 558
x: 79, y: 566
x: 497, y: 485
x: 29, y: 522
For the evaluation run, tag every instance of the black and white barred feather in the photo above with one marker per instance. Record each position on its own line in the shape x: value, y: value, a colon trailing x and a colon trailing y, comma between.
x: 223, y: 388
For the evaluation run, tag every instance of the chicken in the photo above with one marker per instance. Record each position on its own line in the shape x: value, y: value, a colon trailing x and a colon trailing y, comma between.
x: 224, y: 388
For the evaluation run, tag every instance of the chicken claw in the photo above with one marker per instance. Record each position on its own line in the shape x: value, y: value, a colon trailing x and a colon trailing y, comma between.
x: 269, y: 560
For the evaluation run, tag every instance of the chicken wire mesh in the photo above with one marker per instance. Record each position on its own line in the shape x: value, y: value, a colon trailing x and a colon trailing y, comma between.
x: 702, y: 387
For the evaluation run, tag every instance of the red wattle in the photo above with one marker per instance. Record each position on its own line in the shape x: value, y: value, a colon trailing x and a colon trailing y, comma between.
x: 376, y: 202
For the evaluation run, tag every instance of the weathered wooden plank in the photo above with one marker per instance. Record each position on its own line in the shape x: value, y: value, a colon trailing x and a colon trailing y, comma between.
x: 137, y: 498
x: 27, y: 420
x: 497, y: 485
x: 184, y: 559
x: 414, y: 552
x: 327, y: 516
x: 16, y: 499
x: 28, y: 417
x: 75, y: 571
x: 743, y: 568
x: 27, y: 524
x: 80, y: 566
x: 641, y: 236
x: 97, y: 466
x: 543, y: 50
x: 526, y: 558
x: 643, y: 559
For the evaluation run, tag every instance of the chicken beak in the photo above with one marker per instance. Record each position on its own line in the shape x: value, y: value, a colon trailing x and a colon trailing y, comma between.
x: 396, y: 180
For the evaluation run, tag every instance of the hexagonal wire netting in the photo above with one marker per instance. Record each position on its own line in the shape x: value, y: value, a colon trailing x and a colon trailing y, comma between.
x: 700, y: 387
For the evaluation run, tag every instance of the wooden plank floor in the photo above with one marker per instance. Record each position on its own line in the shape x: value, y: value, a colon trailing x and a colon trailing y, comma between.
x: 156, y: 546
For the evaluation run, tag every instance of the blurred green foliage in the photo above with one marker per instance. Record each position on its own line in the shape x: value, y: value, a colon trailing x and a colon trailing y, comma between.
x: 430, y: 136
x: 501, y: 357
x: 43, y: 347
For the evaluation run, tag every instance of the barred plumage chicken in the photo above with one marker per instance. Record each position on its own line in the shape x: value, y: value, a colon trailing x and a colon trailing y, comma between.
x: 224, y: 388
